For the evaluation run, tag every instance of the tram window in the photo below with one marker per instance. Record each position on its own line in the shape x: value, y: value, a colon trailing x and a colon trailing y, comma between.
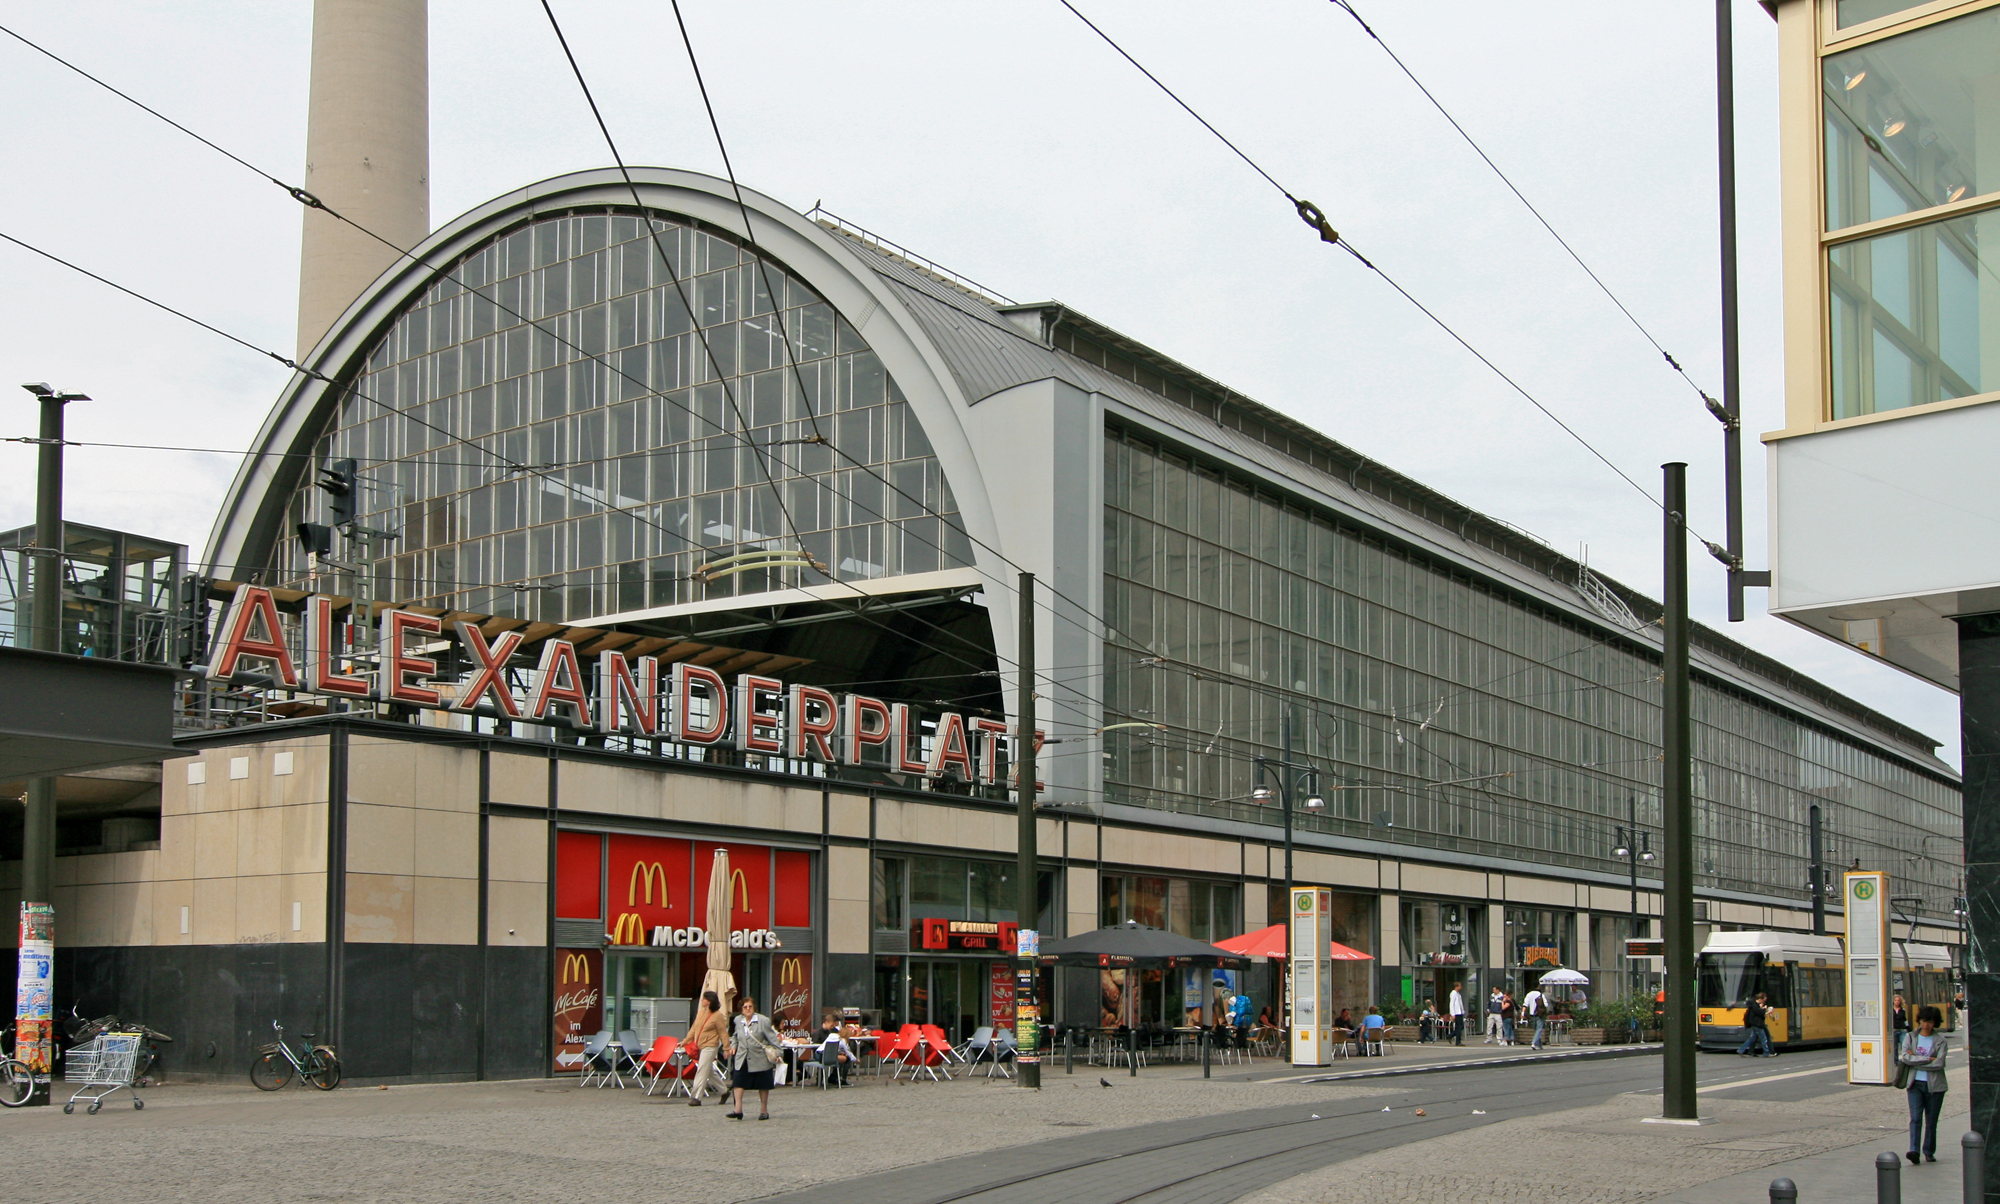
x: 1727, y: 980
x: 1808, y: 988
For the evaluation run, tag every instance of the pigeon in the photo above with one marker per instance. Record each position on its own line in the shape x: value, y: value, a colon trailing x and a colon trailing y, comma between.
x: 1103, y: 1082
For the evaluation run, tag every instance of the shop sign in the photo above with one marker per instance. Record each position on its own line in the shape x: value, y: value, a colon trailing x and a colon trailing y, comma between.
x: 1541, y: 955
x: 697, y: 938
x: 1440, y: 959
x: 682, y: 703
x: 968, y: 936
x: 1000, y: 995
x: 791, y: 1004
x: 579, y: 1003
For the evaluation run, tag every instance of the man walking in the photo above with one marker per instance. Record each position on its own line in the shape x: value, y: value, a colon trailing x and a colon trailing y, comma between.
x: 1458, y: 1014
x: 1493, y: 1005
x: 1756, y: 1029
x: 1537, y: 1005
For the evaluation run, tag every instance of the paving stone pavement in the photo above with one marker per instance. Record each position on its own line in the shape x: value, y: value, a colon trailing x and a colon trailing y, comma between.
x: 1604, y: 1154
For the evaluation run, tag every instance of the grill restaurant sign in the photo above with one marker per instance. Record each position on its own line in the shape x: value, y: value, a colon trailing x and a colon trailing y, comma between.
x: 687, y: 704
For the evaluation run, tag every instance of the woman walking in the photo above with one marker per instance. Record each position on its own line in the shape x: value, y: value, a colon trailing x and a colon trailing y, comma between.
x: 710, y: 1028
x: 754, y: 1053
x: 1922, y: 1073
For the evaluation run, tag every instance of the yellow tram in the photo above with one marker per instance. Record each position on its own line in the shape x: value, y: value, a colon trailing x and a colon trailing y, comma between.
x: 1804, y: 979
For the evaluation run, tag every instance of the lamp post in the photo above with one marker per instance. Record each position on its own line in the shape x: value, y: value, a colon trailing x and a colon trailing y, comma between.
x: 1288, y: 772
x: 1634, y: 846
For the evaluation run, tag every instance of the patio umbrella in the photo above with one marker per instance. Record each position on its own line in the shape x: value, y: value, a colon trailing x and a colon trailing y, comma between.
x: 1270, y: 942
x: 718, y: 978
x: 1565, y: 978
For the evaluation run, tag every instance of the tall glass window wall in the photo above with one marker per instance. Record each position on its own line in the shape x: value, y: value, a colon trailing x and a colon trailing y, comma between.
x: 565, y: 347
x: 1911, y: 121
x: 1189, y: 907
x: 1228, y: 604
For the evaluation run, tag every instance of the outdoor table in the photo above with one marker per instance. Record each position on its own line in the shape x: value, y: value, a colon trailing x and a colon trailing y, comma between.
x: 1560, y: 1030
x: 614, y: 1056
x: 675, y: 1066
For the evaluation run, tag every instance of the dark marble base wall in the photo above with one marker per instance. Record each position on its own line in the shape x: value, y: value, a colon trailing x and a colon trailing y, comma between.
x: 411, y: 1011
x: 1979, y: 710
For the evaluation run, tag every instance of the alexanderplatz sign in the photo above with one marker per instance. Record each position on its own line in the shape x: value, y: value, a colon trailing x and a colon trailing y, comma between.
x: 689, y: 704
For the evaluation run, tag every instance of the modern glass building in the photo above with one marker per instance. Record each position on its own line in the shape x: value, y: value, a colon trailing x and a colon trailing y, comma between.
x: 573, y: 416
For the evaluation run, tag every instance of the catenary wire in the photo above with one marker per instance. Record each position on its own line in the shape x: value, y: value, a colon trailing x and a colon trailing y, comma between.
x: 1518, y: 195
x: 1313, y: 217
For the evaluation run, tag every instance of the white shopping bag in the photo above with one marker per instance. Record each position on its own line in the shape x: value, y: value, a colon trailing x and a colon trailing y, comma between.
x: 778, y: 1073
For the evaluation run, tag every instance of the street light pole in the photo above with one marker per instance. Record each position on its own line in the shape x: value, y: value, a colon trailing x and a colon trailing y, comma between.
x: 1286, y: 768
x: 1027, y: 1009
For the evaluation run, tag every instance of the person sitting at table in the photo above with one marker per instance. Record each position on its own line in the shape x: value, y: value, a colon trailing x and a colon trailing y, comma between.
x: 1427, y: 1024
x: 1372, y: 1026
x: 830, y: 1035
x: 1344, y: 1024
x: 1264, y: 1018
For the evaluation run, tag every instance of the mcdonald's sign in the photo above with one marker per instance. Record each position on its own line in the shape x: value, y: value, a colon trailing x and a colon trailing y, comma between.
x: 576, y: 968
x: 648, y: 873
x: 792, y: 972
x: 630, y: 930
x: 739, y: 886
x: 579, y: 1004
x: 791, y: 1003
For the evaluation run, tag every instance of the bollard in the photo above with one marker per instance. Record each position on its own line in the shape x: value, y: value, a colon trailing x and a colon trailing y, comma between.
x: 1069, y: 1051
x: 1201, y: 1039
x: 1132, y: 1054
x: 1784, y: 1191
x: 1972, y: 1148
x: 1888, y: 1179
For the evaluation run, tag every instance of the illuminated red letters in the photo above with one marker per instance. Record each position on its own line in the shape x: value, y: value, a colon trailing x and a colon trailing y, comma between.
x: 490, y: 679
x: 862, y: 721
x: 398, y: 665
x: 253, y: 605
x: 322, y: 666
x: 559, y: 683
x: 814, y: 718
x: 759, y: 728
x: 681, y: 725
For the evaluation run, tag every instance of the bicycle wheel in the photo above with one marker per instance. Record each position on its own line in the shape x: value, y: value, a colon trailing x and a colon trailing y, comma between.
x: 270, y: 1071
x: 17, y: 1083
x: 323, y: 1070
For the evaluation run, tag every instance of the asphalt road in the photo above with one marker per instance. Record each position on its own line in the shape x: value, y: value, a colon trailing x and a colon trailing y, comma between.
x: 1214, y: 1159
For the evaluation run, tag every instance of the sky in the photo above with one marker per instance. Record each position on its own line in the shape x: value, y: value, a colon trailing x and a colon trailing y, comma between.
x: 1005, y: 141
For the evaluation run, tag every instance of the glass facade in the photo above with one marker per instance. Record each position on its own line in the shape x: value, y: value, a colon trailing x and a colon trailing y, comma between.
x: 1910, y: 125
x: 1229, y: 604
x: 565, y: 346
x: 1206, y: 911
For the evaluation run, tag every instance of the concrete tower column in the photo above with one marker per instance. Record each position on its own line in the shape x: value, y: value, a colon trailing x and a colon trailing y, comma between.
x: 367, y: 150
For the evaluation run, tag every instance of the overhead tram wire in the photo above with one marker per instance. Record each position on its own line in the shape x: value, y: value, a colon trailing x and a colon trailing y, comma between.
x: 1314, y: 217
x: 1673, y: 363
x: 504, y: 461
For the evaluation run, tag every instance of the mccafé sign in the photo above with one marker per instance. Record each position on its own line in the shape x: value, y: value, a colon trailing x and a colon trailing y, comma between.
x: 687, y: 704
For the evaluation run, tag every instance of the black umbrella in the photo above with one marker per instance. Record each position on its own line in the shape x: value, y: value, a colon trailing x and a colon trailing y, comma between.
x: 1131, y: 944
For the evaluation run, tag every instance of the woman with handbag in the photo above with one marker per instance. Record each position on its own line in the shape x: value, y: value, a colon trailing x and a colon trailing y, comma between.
x: 1920, y: 1072
x: 754, y: 1054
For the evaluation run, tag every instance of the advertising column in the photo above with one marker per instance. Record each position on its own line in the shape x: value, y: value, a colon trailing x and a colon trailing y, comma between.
x: 1312, y: 986
x: 1868, y: 1039
x: 34, y: 1002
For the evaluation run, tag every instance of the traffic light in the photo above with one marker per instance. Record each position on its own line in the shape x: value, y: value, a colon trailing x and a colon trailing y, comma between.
x: 338, y: 479
x: 316, y: 539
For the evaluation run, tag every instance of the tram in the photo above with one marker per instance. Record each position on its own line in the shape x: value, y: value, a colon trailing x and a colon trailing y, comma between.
x: 1804, y: 980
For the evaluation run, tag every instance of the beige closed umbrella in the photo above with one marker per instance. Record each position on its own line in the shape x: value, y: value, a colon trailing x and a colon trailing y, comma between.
x: 718, y: 978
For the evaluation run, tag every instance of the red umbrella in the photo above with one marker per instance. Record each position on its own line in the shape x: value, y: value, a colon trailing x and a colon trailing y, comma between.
x: 1270, y: 942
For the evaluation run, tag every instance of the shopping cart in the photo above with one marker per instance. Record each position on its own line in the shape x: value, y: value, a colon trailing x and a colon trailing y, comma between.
x: 101, y: 1066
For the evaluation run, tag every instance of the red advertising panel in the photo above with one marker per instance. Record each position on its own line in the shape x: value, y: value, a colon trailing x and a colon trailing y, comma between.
x: 579, y: 861
x: 794, y: 901
x: 579, y: 1010
x: 749, y: 883
x: 650, y: 886
x: 791, y: 1008
x: 1001, y: 998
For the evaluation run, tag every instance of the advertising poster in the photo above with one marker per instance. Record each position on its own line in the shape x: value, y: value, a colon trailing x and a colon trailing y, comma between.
x: 791, y: 1003
x: 34, y: 1001
x: 1000, y: 999
x: 579, y: 1011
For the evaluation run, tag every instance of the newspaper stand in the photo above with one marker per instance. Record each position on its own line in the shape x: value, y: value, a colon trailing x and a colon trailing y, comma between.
x: 101, y: 1066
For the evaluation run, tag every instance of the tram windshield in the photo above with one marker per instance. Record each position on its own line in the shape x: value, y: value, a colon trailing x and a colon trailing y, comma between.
x: 1727, y: 980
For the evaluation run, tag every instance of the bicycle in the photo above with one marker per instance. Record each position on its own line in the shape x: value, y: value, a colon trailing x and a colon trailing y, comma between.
x: 17, y: 1083
x: 275, y: 1063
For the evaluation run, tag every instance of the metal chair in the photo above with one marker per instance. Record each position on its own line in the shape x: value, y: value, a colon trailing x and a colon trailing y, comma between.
x: 596, y: 1065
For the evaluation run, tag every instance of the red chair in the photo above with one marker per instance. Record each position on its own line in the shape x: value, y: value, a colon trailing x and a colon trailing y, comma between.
x: 935, y: 1038
x: 898, y: 1049
x: 656, y: 1063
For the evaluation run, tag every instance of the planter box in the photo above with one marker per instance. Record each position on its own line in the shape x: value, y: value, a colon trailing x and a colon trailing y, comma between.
x: 1596, y: 1036
x: 1404, y: 1032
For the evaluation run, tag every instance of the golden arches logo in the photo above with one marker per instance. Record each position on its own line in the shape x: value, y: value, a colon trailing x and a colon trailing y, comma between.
x: 792, y: 972
x: 576, y: 968
x: 740, y: 887
x: 631, y: 930
x: 648, y: 872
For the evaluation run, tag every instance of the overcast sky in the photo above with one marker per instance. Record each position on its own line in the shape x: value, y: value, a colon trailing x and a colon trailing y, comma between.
x: 1005, y: 141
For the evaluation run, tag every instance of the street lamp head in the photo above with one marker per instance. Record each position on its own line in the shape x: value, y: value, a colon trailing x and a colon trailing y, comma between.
x: 45, y: 393
x: 1647, y: 855
x: 1262, y: 793
x: 1314, y: 802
